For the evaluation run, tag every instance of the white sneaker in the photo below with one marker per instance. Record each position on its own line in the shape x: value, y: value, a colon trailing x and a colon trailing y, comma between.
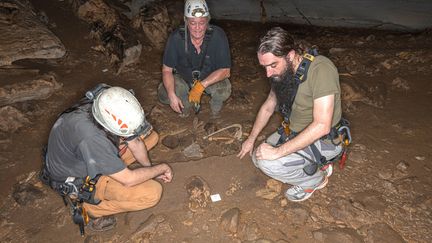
x: 298, y: 194
x: 328, y: 170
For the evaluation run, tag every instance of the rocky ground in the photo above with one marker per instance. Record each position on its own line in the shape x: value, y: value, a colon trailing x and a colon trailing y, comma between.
x: 382, y: 195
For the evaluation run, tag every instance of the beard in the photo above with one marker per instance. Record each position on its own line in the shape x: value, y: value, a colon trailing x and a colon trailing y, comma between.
x: 284, y: 87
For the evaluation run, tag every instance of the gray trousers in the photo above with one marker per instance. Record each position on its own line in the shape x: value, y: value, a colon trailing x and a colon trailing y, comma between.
x: 219, y: 92
x: 289, y: 169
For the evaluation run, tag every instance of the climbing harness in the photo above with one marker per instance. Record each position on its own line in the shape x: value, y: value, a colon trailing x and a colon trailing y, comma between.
x: 74, y: 191
x: 196, y: 69
x: 339, y: 134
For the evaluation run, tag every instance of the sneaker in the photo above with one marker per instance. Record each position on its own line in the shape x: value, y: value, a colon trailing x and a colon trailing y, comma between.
x: 298, y: 194
x: 103, y: 223
x: 328, y: 170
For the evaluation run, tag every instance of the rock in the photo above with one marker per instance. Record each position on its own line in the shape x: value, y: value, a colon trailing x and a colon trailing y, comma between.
x: 382, y: 233
x: 387, y: 64
x: 164, y: 227
x: 283, y: 202
x: 370, y: 38
x: 356, y: 157
x: 155, y: 22
x: 42, y: 87
x: 272, y: 190
x: 371, y: 200
x: 400, y: 83
x: 252, y: 231
x: 388, y: 186
x: 297, y: 214
x: 341, y: 209
x: 23, y: 36
x: 112, y: 32
x: 330, y: 235
x: 230, y: 220
x: 12, y: 119
x: 171, y: 141
x: 402, y: 166
x: 199, y: 193
x: 25, y: 193
x: 274, y: 185
x: 186, y: 140
x: 193, y: 151
x: 359, y: 147
x: 335, y: 50
x: 147, y: 227
x: 385, y: 175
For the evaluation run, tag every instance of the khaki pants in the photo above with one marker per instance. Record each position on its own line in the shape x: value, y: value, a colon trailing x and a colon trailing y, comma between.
x: 116, y: 198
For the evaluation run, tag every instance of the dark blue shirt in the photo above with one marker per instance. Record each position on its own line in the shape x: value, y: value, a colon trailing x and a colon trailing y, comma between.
x: 217, y: 53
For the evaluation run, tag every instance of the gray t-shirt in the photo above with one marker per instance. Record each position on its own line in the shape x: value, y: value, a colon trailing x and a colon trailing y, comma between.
x: 77, y: 147
x: 217, y: 54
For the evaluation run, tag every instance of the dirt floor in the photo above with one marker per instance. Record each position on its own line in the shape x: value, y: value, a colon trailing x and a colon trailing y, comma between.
x: 382, y: 195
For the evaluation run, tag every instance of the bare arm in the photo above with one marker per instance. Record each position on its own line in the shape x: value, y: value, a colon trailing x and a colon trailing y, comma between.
x: 320, y: 126
x: 216, y: 76
x: 134, y: 177
x: 264, y: 114
x: 169, y: 84
x: 139, y: 151
x: 168, y: 79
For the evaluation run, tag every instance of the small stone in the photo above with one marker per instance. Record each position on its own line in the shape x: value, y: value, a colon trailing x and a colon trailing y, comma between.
x: 25, y: 193
x: 266, y: 194
x: 252, y: 231
x: 389, y: 187
x: 171, y: 141
x: 359, y: 147
x: 205, y: 227
x: 299, y: 213
x: 420, y: 158
x: 283, y: 202
x: 335, y: 50
x: 386, y: 64
x: 400, y: 83
x: 193, y: 151
x: 274, y: 185
x: 402, y: 166
x: 385, y: 175
x: 370, y: 38
x: 230, y: 219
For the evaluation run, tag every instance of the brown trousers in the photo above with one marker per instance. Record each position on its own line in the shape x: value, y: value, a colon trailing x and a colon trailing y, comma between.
x: 116, y: 198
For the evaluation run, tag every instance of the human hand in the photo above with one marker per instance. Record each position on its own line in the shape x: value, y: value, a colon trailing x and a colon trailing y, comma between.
x: 247, y: 147
x: 176, y: 104
x: 166, y: 175
x: 196, y: 92
x: 267, y: 152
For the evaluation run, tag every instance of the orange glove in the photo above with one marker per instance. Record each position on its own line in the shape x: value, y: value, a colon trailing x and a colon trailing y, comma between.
x: 196, y: 92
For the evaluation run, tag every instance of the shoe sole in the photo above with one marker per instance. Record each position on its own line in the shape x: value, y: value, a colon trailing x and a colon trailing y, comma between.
x: 311, y: 191
x: 328, y: 169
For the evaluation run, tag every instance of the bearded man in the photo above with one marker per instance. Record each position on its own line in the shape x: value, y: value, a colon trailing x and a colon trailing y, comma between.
x: 305, y: 90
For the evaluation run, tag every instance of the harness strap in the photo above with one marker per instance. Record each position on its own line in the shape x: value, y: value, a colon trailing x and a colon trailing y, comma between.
x: 207, y: 37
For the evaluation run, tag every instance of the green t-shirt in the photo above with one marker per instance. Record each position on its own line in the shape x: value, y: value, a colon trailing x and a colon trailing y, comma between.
x: 322, y: 80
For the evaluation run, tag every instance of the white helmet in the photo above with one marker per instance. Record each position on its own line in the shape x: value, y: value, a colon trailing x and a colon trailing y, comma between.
x: 196, y: 8
x: 117, y: 110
